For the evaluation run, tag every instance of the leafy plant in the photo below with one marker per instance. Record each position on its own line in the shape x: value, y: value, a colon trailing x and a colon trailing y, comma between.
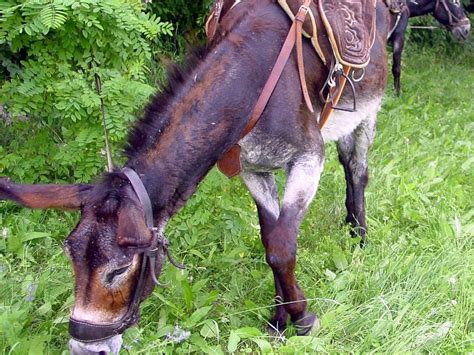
x: 55, y: 49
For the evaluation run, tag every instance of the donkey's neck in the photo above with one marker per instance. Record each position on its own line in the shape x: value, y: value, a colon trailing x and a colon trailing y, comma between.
x: 204, y: 118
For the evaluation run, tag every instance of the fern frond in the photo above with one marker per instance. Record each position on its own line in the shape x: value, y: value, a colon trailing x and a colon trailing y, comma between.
x: 53, y: 16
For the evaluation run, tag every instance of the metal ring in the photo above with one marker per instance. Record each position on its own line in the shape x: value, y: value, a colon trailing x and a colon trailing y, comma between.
x: 360, y: 77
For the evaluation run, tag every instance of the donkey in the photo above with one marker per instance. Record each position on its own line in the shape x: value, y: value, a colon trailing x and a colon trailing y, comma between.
x: 449, y: 13
x: 118, y: 246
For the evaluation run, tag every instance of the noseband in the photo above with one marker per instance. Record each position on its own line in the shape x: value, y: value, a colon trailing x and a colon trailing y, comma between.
x: 86, y: 332
x: 453, y: 20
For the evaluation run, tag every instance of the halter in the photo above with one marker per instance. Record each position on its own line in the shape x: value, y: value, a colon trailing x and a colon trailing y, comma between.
x: 87, y: 332
x: 453, y: 20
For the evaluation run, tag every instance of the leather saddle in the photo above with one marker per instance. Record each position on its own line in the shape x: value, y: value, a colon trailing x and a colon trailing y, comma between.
x: 348, y: 24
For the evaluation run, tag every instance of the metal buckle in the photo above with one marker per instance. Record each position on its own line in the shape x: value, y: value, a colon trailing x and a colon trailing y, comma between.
x: 301, y: 14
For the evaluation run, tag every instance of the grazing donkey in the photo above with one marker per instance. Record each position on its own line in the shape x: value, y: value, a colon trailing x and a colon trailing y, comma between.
x: 449, y: 13
x: 118, y: 247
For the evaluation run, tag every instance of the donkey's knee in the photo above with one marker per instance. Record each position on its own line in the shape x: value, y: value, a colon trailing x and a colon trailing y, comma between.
x: 281, y: 257
x: 359, y: 174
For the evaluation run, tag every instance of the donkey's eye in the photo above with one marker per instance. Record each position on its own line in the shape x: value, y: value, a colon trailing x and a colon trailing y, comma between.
x: 116, y: 273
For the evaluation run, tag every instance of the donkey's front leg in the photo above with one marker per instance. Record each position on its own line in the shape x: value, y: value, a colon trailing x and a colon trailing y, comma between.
x: 353, y: 154
x: 264, y: 191
x: 280, y: 243
x: 398, y: 40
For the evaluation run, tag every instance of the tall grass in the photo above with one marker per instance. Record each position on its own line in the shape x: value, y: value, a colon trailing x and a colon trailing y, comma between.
x: 409, y: 290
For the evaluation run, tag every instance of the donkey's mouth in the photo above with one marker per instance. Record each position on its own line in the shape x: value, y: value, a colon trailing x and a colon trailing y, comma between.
x: 461, y: 32
x: 110, y: 346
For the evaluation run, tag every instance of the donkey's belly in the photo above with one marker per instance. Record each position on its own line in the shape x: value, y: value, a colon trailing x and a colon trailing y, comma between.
x: 263, y: 151
x: 342, y: 123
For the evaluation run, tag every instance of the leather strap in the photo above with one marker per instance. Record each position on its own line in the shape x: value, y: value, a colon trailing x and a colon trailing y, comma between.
x: 229, y: 163
x: 142, y: 194
x: 278, y: 70
x: 299, y: 18
x: 453, y: 20
x: 87, y: 332
x: 335, y: 93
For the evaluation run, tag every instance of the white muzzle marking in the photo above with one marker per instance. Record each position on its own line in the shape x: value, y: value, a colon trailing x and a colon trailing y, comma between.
x: 109, y: 346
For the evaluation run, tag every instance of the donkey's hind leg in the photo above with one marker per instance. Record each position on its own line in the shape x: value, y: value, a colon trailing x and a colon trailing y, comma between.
x: 264, y: 191
x: 301, y: 186
x: 353, y: 154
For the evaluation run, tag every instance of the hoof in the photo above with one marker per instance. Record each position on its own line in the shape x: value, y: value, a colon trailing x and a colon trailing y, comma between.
x: 307, y: 324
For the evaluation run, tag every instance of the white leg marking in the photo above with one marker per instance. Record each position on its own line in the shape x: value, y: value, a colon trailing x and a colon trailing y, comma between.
x: 302, y: 183
x: 262, y: 186
x: 363, y: 139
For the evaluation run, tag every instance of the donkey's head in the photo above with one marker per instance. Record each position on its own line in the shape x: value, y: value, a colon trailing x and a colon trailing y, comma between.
x: 450, y: 13
x: 112, y: 251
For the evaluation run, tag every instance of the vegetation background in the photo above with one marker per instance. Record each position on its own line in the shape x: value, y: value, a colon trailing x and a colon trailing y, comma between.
x: 409, y: 290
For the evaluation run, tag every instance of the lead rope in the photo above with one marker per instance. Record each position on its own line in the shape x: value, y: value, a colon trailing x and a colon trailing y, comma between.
x: 98, y: 88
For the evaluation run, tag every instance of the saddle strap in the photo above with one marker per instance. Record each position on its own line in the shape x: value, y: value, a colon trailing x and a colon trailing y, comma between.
x: 229, y: 163
x: 335, y: 92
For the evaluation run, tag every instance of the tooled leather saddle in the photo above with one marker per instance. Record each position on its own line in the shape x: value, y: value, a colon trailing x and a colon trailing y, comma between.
x: 348, y: 24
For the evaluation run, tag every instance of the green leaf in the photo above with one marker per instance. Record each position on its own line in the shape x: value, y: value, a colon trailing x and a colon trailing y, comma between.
x: 187, y: 293
x: 197, y: 316
x: 248, y: 332
x: 264, y: 345
x: 210, y: 329
x: 233, y: 342
x: 35, y: 235
x: 339, y: 259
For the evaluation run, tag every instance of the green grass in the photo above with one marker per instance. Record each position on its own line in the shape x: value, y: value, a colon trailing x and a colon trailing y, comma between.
x: 409, y: 290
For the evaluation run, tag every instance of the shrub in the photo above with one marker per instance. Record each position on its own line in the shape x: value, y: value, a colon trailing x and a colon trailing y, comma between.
x: 52, y: 51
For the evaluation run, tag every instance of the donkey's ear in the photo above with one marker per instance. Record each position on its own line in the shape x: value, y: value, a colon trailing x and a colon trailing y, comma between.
x: 66, y: 197
x: 132, y: 231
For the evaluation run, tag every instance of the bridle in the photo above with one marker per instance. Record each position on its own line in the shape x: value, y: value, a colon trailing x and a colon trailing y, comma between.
x: 453, y: 20
x: 87, y: 332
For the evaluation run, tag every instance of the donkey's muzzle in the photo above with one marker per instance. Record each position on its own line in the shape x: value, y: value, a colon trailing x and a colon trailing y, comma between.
x: 461, y: 31
x: 109, y: 346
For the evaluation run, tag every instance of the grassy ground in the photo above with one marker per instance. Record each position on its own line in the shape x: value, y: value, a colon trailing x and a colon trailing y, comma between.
x: 410, y: 290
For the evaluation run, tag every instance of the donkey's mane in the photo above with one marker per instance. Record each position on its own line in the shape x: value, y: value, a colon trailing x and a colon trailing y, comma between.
x: 148, y: 129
